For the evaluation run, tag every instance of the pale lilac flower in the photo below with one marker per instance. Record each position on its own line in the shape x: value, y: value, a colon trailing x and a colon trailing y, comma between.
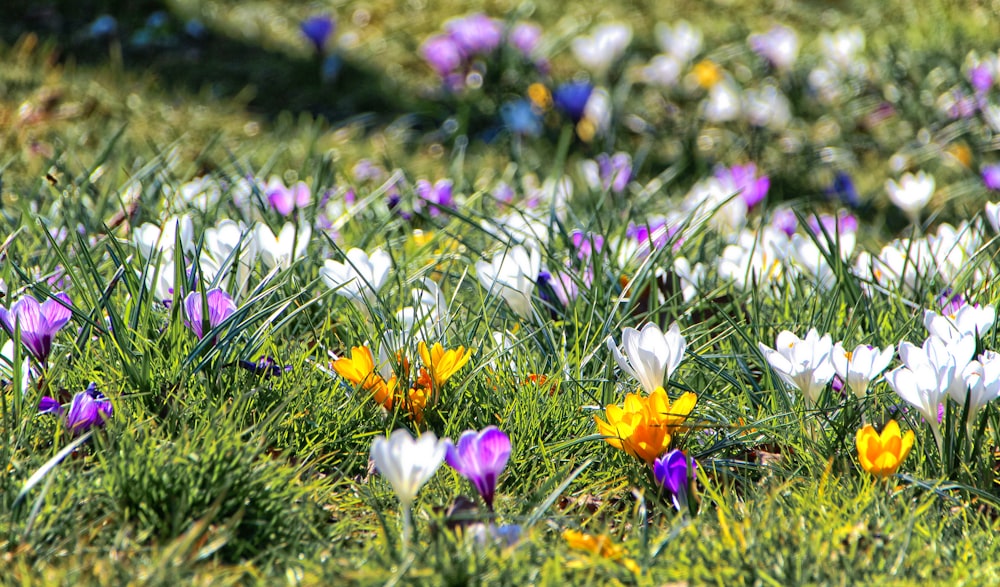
x: 220, y: 306
x: 480, y: 457
x: 439, y: 195
x: 785, y: 221
x: 744, y: 179
x: 991, y: 176
x: 286, y: 200
x: 475, y: 34
x: 443, y: 54
x: 524, y: 37
x: 38, y: 322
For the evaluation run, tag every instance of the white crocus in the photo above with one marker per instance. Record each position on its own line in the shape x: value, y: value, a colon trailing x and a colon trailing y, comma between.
x: 982, y: 380
x: 599, y: 51
x: 920, y: 389
x: 947, y: 359
x: 681, y: 41
x: 650, y: 354
x: 804, y: 364
x: 862, y: 365
x: 407, y: 464
x: 151, y: 239
x: 360, y: 277
x: 912, y: 193
x: 221, y: 243
x: 512, y: 274
x: 7, y: 367
x: 282, y: 250
x: 993, y: 215
x: 428, y: 316
x: 970, y: 319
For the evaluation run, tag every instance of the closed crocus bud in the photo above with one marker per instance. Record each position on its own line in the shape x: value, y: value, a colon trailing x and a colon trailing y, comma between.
x: 650, y: 354
x: 881, y: 454
x: 38, y: 322
x: 480, y: 457
x: 674, y: 472
x: 859, y: 367
x: 220, y: 306
x: 511, y: 275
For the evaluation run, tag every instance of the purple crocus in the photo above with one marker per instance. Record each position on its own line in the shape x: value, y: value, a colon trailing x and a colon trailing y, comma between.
x: 674, y: 471
x: 438, y: 195
x: 266, y: 367
x: 317, y: 29
x: 38, y: 322
x: 88, y: 409
x: 475, y: 34
x: 991, y: 176
x: 220, y: 306
x: 524, y: 37
x: 287, y: 199
x: 981, y: 78
x: 743, y: 179
x: 615, y: 171
x: 443, y: 54
x: 951, y: 302
x: 842, y: 223
x: 785, y: 221
x: 586, y: 244
x: 480, y: 457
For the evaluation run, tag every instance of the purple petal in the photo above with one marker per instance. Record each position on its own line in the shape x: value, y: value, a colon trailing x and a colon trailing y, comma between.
x: 192, y: 309
x: 55, y: 313
x: 48, y: 405
x: 220, y: 306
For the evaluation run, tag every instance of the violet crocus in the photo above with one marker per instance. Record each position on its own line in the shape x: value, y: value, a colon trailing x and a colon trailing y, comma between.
x: 266, y: 367
x: 991, y: 176
x: 89, y: 408
x: 674, y: 472
x: 744, y: 179
x: 286, y: 200
x: 586, y: 244
x: 38, y: 322
x: 981, y: 78
x: 571, y: 98
x: 220, y: 306
x: 480, y: 457
x: 475, y: 34
x: 443, y: 54
x: 317, y: 29
x: 615, y: 171
x: 524, y: 37
x: 439, y: 195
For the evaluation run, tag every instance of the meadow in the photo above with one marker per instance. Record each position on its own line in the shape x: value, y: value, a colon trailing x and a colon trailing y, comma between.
x: 505, y: 292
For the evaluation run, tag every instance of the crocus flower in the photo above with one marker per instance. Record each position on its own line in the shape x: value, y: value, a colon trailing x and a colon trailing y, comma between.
x: 89, y: 408
x: 407, y: 464
x: 571, y: 98
x: 912, y: 193
x: 744, y: 179
x: 359, y: 369
x: 281, y: 250
x: 512, y: 274
x: 650, y: 354
x: 674, y: 471
x: 360, y: 277
x: 982, y: 385
x: 480, y: 457
x: 286, y: 199
x: 881, y: 454
x: 38, y: 322
x: 265, y: 366
x: 438, y: 195
x: 524, y: 37
x: 802, y: 363
x: 220, y: 306
x: 644, y: 426
x: 600, y: 50
x: 780, y: 46
x: 443, y: 54
x: 991, y: 176
x: 969, y: 319
x: 860, y: 366
x: 475, y: 34
x: 317, y: 29
x: 521, y: 117
x: 442, y: 364
x: 601, y: 545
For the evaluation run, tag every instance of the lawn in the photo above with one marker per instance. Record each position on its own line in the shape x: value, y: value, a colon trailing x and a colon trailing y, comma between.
x: 499, y: 292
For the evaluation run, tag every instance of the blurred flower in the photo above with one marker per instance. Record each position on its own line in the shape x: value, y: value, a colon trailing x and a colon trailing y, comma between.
x: 524, y: 37
x: 317, y: 29
x: 675, y: 472
x: 805, y: 364
x: 991, y: 177
x: 600, y: 545
x: 610, y: 172
x: 103, y: 26
x: 438, y: 195
x: 981, y: 78
x: 88, y: 409
x: 843, y: 189
x: 982, y: 385
x: 652, y: 354
x: 767, y: 107
x: 480, y: 457
x: 780, y: 46
x: 152, y: 240
x: 784, y: 219
x: 842, y: 47
x: 586, y: 244
x: 643, y: 428
x: 681, y: 41
x: 571, y: 98
x: 912, y: 193
x: 511, y: 274
x: 443, y: 54
x: 881, y: 454
x: 744, y: 179
x: 222, y: 243
x: 360, y: 277
x: 219, y: 304
x: 707, y: 74
x: 601, y: 49
x: 662, y: 70
x: 39, y: 323
x: 521, y: 118
x: 475, y: 34
x: 723, y: 103
x: 286, y: 200
x: 282, y: 250
x: 860, y: 366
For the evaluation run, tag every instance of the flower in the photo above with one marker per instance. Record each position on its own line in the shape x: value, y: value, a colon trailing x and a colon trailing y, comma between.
x: 441, y: 363
x: 281, y: 250
x: 38, y: 322
x: 317, y: 29
x: 219, y: 304
x: 744, y: 179
x: 860, y: 366
x: 475, y: 34
x: 438, y: 196
x: 600, y: 50
x: 674, y: 471
x: 89, y: 408
x: 524, y: 37
x: 912, y: 193
x: 982, y: 385
x: 480, y: 457
x: 265, y: 366
x: 600, y: 545
x: 407, y: 463
x: 802, y: 363
x: 780, y: 46
x: 652, y: 355
x: 881, y: 454
x: 360, y: 371
x: 643, y: 428
x: 991, y: 179
x: 571, y: 98
x: 969, y: 319
x: 360, y: 277
x: 513, y: 273
x: 286, y: 200
x: 443, y: 54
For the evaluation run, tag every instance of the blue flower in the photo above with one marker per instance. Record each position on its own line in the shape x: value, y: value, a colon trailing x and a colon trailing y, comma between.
x: 571, y: 98
x: 521, y: 118
x: 317, y: 29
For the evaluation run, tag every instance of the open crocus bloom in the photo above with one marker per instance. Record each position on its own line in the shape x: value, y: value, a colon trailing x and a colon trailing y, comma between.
x: 652, y: 355
x: 480, y: 457
x: 802, y: 363
x: 859, y: 367
x: 881, y: 454
x: 407, y: 463
x: 38, y: 322
x: 512, y: 274
x: 360, y: 277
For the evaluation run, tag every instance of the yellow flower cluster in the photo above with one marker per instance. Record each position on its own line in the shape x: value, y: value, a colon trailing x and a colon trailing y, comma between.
x: 600, y: 545
x: 438, y: 366
x: 643, y: 427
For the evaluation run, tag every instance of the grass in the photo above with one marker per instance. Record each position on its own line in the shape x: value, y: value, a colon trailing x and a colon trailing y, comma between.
x: 210, y: 474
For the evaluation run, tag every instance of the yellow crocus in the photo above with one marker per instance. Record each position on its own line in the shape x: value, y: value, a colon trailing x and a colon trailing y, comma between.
x: 600, y: 545
x: 707, y: 73
x: 881, y: 454
x: 643, y: 427
x: 359, y: 370
x: 441, y: 364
